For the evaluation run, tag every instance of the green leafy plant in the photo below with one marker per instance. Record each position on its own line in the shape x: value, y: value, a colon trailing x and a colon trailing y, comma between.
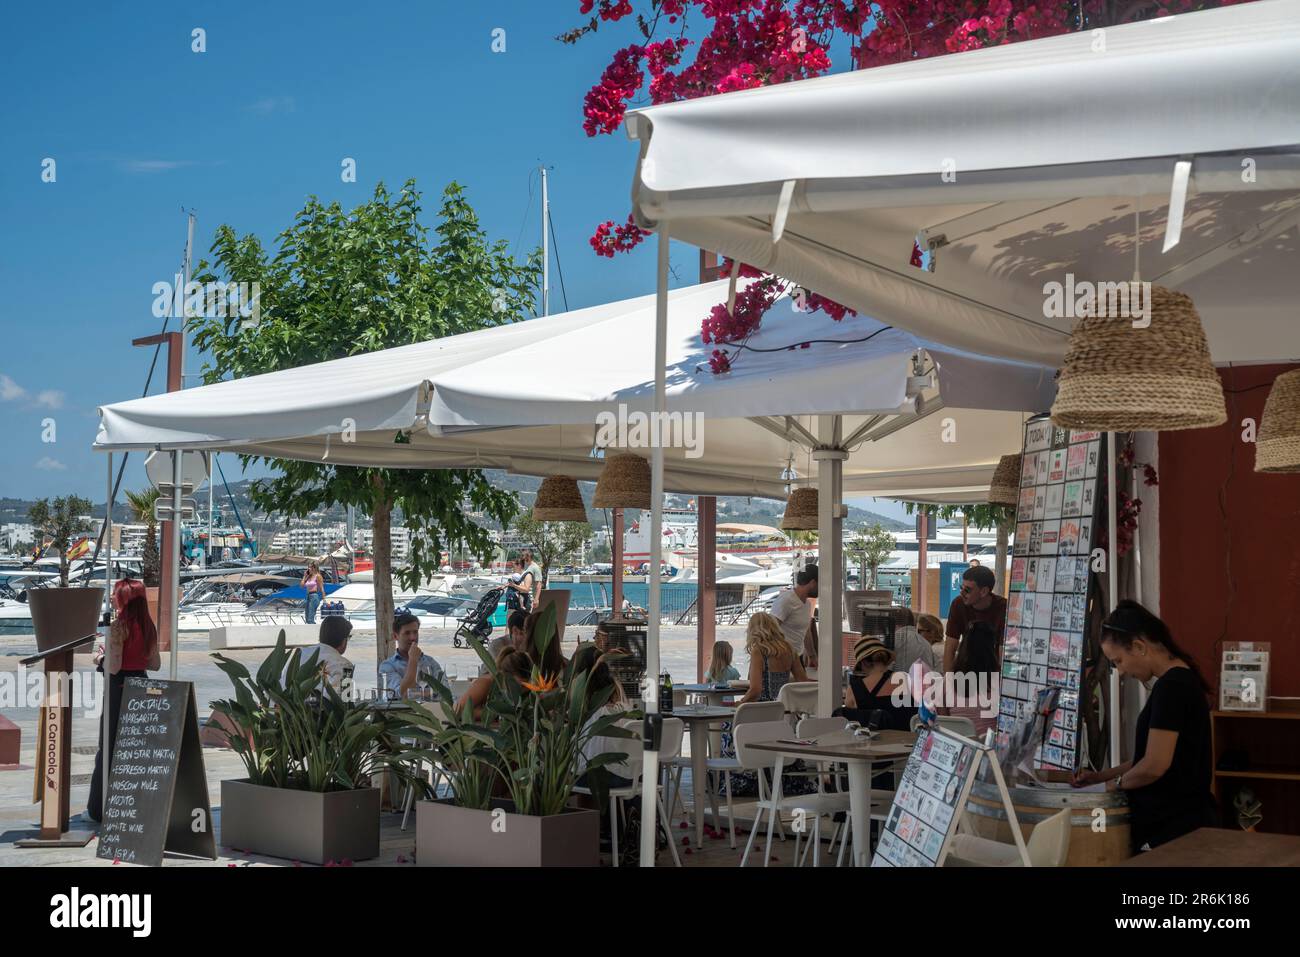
x: 293, y: 730
x: 872, y: 545
x: 59, y: 521
x: 142, y: 504
x: 530, y: 734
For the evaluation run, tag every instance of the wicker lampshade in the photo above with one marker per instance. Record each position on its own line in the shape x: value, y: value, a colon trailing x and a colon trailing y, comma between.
x: 558, y: 500
x: 1277, y: 446
x: 1118, y: 378
x: 800, y: 510
x: 1005, y: 487
x: 624, y: 482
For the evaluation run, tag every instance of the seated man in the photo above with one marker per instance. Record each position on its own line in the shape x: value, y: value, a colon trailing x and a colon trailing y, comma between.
x: 513, y: 638
x: 408, y: 666
x: 337, y: 670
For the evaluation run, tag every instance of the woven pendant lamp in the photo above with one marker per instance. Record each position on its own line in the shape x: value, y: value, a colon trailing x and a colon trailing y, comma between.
x: 1118, y: 378
x: 800, y: 511
x: 1277, y: 446
x: 624, y: 482
x: 1005, y: 487
x: 558, y: 500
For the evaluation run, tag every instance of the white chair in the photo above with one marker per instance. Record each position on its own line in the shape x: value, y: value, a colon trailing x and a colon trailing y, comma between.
x: 814, y: 728
x: 748, y: 713
x: 955, y: 724
x: 635, y: 749
x: 799, y: 698
x: 1048, y: 846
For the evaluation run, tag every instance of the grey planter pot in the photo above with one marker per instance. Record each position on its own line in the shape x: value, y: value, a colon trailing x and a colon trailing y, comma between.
x: 60, y: 615
x: 450, y: 836
x: 303, y: 826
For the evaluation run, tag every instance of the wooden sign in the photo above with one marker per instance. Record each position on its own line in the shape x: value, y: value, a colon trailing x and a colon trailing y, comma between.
x: 1057, y: 524
x: 157, y: 797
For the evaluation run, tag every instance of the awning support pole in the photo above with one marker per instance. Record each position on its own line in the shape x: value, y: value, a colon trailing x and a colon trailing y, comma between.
x: 706, y: 574
x: 830, y: 563
x: 650, y: 762
x: 174, y: 592
x: 104, y: 748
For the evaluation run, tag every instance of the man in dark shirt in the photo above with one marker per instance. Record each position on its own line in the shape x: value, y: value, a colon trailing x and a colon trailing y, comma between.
x: 977, y: 602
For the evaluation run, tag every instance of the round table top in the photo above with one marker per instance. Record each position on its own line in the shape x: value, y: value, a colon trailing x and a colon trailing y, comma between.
x: 702, y: 712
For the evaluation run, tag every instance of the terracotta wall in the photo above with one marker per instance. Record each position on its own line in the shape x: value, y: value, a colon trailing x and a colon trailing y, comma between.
x: 1233, y: 576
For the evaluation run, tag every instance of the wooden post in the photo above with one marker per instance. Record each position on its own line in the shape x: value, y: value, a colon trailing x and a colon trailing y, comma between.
x: 923, y: 554
x: 706, y: 600
x: 965, y: 550
x: 616, y: 570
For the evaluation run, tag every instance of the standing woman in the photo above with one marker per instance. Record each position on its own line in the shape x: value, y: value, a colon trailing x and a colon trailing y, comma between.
x: 132, y: 651
x: 1168, y: 780
x: 315, y: 585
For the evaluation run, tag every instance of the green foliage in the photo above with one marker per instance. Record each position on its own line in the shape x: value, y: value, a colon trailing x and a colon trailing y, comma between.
x: 529, y: 735
x: 142, y: 504
x: 59, y: 521
x: 979, y: 515
x: 295, y: 731
x: 553, y: 542
x: 343, y: 283
x: 872, y: 545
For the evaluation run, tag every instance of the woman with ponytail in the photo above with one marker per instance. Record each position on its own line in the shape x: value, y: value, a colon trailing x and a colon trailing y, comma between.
x: 1168, y: 780
x: 132, y: 652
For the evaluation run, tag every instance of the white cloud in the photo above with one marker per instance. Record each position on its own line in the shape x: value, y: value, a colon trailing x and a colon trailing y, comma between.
x: 47, y: 464
x: 50, y: 399
x: 154, y: 166
x: 272, y: 104
x: 10, y: 390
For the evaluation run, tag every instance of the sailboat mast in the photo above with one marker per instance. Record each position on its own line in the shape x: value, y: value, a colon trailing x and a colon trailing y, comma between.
x: 546, y: 249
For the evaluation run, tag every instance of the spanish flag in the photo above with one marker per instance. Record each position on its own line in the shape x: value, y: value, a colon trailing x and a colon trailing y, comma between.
x: 80, y: 548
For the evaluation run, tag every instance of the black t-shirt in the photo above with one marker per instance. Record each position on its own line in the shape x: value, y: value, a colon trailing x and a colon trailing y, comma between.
x: 1181, y: 800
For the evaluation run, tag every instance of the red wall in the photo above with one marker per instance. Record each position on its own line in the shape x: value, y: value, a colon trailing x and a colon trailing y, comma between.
x: 1235, y: 578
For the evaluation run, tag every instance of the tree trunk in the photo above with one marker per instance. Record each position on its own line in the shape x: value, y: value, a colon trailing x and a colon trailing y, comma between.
x: 862, y: 573
x: 381, y: 524
x: 1000, y: 561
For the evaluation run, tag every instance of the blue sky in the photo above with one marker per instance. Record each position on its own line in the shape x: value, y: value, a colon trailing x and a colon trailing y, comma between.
x: 140, y: 127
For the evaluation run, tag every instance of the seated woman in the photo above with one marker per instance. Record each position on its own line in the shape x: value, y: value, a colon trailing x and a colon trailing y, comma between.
x: 975, y: 669
x: 551, y: 663
x: 599, y: 677
x: 1168, y: 781
x: 772, y: 662
x: 874, y: 687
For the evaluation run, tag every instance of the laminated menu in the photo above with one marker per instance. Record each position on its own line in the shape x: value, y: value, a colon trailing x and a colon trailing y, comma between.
x: 1050, y: 575
x: 929, y: 801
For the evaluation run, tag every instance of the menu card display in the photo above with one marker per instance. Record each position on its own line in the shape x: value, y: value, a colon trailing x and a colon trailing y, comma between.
x: 929, y: 800
x: 1050, y: 568
x: 157, y: 796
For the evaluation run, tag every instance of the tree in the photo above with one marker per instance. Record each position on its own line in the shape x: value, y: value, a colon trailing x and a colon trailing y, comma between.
x: 142, y: 504
x: 343, y: 283
x: 742, y: 44
x: 872, y: 545
x: 59, y: 521
x: 980, y: 515
x: 552, y: 542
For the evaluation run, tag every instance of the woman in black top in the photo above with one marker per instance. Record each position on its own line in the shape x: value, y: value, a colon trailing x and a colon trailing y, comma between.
x: 1168, y: 780
x: 875, y: 690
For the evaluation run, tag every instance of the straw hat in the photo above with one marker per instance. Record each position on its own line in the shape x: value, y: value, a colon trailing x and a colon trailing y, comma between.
x: 624, y: 482
x: 1277, y: 446
x: 558, y: 500
x: 1118, y: 378
x: 864, y: 648
x: 800, y: 510
x: 1005, y: 487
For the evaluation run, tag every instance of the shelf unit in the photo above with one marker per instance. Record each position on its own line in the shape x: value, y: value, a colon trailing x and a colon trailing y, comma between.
x: 1269, y: 743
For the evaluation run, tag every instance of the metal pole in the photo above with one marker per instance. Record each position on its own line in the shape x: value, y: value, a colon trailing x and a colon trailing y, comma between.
x: 107, y: 758
x: 650, y: 765
x: 108, y: 542
x: 189, y: 260
x: 546, y: 250
x: 830, y: 563
x: 174, y: 593
x: 1112, y: 589
x: 207, y: 549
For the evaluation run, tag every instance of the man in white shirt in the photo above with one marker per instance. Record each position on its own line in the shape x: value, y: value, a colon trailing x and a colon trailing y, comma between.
x: 532, y: 568
x: 792, y: 610
x: 328, y: 654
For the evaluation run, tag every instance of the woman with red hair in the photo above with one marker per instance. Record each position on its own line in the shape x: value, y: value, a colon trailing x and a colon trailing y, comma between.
x: 132, y: 651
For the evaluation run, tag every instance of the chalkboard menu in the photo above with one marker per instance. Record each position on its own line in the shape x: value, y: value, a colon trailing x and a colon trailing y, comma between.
x: 157, y: 796
x: 929, y: 800
x: 1056, y: 519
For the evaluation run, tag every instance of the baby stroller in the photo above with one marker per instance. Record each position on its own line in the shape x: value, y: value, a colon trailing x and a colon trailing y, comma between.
x: 478, y: 623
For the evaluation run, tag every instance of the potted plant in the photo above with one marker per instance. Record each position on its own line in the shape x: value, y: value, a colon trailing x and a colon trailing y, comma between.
x: 310, y: 755
x: 527, y: 745
x: 62, y: 614
x: 142, y: 506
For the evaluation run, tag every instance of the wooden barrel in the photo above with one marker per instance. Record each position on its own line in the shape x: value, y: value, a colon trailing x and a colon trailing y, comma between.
x: 1090, y: 845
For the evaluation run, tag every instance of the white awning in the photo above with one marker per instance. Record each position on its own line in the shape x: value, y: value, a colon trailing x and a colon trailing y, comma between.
x: 1020, y: 164
x: 529, y: 398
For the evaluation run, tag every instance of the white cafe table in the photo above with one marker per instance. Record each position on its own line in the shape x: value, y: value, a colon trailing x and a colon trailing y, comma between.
x: 861, y: 755
x: 715, y: 695
x: 697, y: 719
